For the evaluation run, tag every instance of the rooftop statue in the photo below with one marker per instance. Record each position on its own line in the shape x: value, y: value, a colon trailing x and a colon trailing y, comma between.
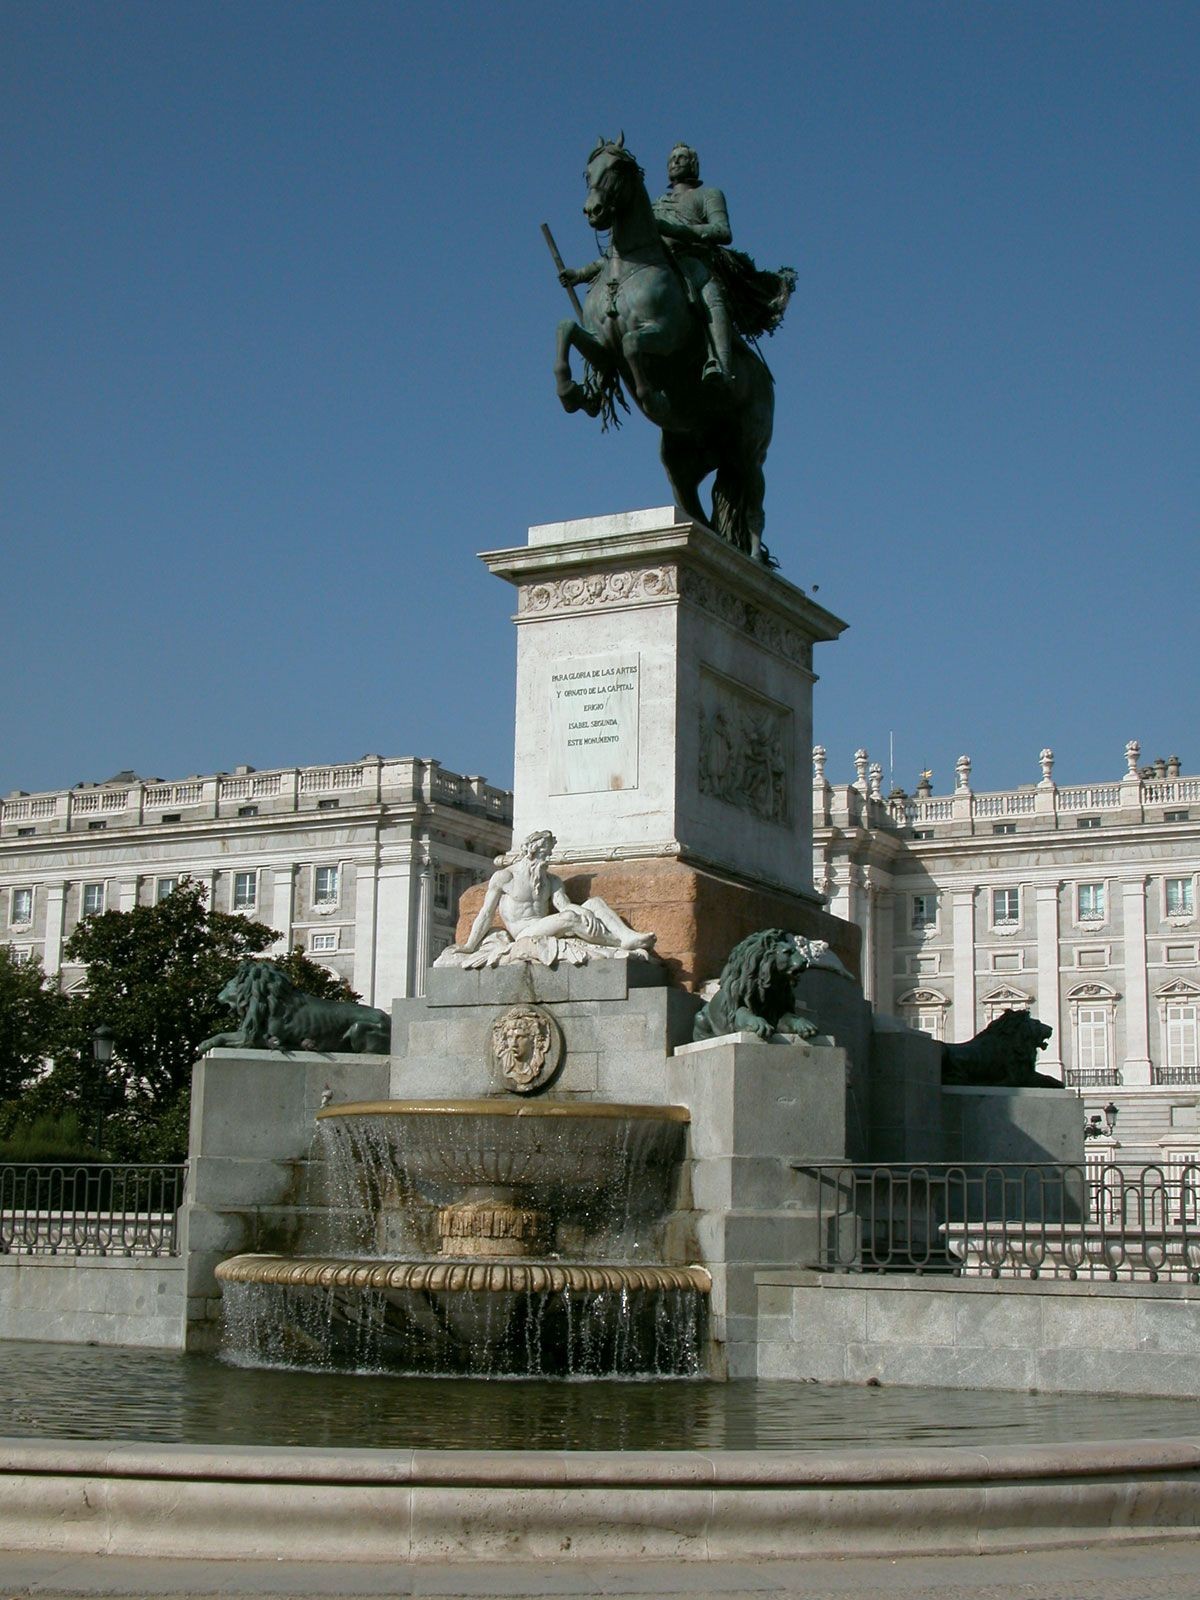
x: 541, y: 923
x: 671, y: 313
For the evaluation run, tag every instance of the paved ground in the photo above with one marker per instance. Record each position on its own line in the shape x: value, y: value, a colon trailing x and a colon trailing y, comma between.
x: 1133, y: 1572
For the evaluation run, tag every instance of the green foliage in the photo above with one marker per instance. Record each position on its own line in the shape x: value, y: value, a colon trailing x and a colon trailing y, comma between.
x: 48, y: 1138
x: 32, y: 1012
x: 314, y: 979
x: 153, y: 977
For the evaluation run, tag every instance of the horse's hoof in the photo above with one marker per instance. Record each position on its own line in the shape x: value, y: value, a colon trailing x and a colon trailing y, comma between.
x: 573, y: 399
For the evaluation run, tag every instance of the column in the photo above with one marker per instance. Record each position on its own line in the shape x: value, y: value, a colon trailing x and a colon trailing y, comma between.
x: 423, y: 938
x: 56, y: 902
x: 283, y: 896
x: 394, y: 919
x: 883, y: 917
x: 866, y: 910
x: 962, y: 926
x: 366, y: 901
x: 1136, y: 1066
x: 1049, y: 978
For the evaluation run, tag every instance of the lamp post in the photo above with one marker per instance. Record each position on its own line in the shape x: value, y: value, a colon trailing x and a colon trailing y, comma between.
x: 102, y: 1054
x: 1111, y: 1112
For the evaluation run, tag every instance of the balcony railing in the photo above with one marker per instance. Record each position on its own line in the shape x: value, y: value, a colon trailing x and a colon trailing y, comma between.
x: 1092, y: 1077
x: 90, y: 1208
x: 1009, y: 1220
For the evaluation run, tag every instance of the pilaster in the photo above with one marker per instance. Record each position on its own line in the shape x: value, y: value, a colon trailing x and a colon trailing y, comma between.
x: 283, y: 899
x: 1136, y: 1066
x: 423, y: 933
x: 962, y: 902
x: 1049, y: 977
x: 366, y: 920
x: 394, y: 957
x: 56, y: 902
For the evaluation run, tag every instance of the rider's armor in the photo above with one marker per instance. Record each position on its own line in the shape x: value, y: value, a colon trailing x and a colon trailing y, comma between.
x: 702, y: 211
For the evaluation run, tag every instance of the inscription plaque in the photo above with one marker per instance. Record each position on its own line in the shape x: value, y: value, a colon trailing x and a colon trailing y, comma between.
x: 594, y: 724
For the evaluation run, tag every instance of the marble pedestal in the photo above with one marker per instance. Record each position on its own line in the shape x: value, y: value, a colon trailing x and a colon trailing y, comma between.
x: 664, y: 729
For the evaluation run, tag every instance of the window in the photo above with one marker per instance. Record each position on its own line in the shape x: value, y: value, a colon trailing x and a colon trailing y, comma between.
x: 325, y: 887
x: 26, y: 833
x: 1006, y: 906
x: 1004, y: 827
x: 441, y: 889
x: 247, y: 811
x: 93, y: 899
x: 97, y: 827
x: 924, y: 911
x: 164, y: 887
x: 323, y: 941
x: 922, y: 833
x: 328, y: 805
x: 1087, y: 822
x: 245, y: 891
x: 1175, y: 816
x: 1179, y: 897
x: 1091, y: 1033
x: 22, y: 906
x: 172, y: 816
x: 1182, y: 1035
x: 1091, y: 902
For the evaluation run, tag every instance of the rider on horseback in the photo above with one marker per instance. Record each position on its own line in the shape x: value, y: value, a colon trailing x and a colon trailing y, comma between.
x: 734, y: 296
x: 695, y: 218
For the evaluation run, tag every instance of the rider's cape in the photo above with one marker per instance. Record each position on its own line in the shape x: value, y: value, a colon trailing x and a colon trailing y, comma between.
x: 757, y: 300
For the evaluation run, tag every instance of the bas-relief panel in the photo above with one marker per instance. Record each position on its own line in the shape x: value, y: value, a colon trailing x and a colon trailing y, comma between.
x: 745, y: 749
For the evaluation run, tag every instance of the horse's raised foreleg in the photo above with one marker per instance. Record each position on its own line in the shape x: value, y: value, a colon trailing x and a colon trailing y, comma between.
x: 573, y: 395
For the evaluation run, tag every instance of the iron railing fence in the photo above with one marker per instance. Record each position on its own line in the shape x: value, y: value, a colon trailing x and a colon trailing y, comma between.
x: 979, y: 1219
x: 90, y: 1208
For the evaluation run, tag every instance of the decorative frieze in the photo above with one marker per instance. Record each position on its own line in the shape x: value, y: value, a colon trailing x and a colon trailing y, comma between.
x: 766, y: 628
x: 597, y: 590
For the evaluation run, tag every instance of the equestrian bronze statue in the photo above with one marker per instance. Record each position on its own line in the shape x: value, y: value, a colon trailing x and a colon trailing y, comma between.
x: 672, y: 314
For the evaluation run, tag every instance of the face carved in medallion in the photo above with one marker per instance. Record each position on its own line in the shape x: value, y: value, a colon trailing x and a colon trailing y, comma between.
x: 527, y: 1047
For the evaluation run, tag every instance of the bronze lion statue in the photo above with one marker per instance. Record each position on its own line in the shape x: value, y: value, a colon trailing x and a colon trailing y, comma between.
x: 755, y: 995
x: 274, y: 1015
x: 1003, y: 1056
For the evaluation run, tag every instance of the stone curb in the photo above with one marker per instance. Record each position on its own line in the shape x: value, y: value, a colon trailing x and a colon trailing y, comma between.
x: 245, y: 1503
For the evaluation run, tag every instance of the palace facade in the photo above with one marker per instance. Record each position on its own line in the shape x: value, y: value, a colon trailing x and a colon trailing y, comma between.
x: 361, y: 865
x: 1077, y: 901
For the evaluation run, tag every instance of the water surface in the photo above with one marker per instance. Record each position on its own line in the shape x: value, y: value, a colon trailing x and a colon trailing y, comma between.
x: 79, y: 1392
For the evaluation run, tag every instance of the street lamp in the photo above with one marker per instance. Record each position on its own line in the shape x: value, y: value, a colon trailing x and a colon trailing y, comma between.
x: 102, y: 1054
x: 1111, y: 1113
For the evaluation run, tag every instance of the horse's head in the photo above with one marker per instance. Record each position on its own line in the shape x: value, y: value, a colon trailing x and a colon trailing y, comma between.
x: 610, y: 172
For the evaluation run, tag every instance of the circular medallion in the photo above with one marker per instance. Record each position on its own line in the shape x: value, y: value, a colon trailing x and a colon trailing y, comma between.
x: 527, y: 1047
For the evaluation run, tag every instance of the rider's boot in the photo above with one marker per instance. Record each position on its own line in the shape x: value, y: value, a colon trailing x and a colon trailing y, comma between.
x: 718, y: 369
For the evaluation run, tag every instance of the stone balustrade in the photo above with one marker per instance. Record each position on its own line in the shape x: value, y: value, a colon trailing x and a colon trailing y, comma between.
x: 1138, y: 797
x: 372, y: 781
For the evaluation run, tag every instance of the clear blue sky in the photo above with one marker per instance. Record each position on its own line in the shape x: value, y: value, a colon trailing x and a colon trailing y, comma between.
x: 276, y: 332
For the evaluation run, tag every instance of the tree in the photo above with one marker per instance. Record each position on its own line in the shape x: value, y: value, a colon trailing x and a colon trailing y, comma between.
x: 31, y: 1013
x: 153, y: 976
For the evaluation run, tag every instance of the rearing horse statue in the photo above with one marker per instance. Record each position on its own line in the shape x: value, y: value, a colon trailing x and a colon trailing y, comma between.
x: 643, y: 326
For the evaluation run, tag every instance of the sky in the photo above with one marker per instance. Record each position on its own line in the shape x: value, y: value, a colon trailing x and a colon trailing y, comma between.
x: 276, y: 332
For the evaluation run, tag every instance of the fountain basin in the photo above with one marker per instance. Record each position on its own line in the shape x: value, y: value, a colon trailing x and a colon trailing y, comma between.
x: 502, y: 1177
x: 474, y: 1318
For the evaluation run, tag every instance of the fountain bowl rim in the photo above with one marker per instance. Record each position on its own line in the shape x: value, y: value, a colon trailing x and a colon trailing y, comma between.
x: 506, y: 1107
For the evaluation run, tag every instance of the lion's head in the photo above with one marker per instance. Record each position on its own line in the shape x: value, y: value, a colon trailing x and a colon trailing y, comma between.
x: 257, y: 990
x: 760, y: 971
x: 1014, y: 1039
